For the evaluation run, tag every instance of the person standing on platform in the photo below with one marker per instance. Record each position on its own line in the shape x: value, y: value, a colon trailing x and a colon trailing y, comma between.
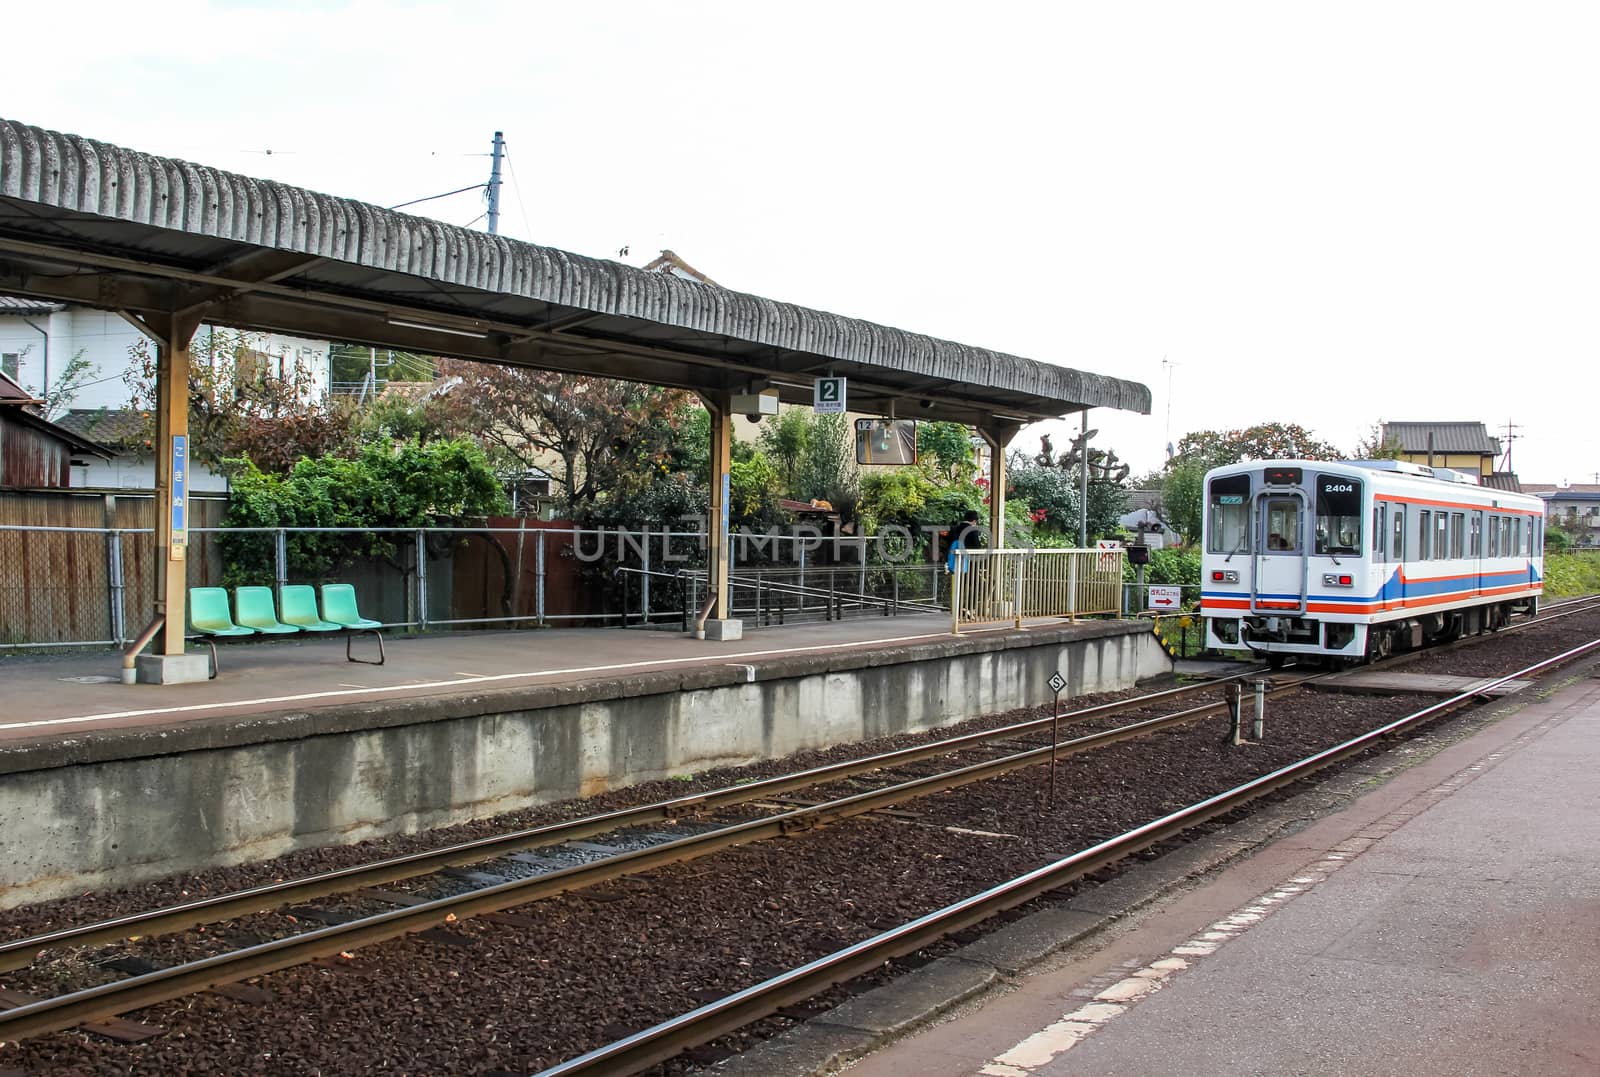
x: 963, y: 536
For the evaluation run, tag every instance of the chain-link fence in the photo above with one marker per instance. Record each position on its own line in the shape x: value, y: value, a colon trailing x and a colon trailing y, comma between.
x: 79, y: 586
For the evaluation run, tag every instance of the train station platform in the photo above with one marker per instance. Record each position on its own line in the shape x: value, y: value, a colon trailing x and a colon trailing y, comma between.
x: 292, y: 746
x: 1444, y: 922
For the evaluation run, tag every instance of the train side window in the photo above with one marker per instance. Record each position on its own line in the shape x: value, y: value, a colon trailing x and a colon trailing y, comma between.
x: 1338, y: 516
x: 1538, y: 536
x: 1397, y: 534
x: 1424, y: 535
x: 1441, y: 535
x: 1380, y: 528
x: 1506, y: 549
x: 1458, y: 527
x: 1516, y: 538
x: 1494, y: 537
x: 1229, y: 510
x: 1476, y: 549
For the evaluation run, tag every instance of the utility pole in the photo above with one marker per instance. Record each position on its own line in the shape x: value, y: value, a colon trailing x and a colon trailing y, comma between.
x: 1169, y: 366
x: 1080, y: 447
x: 494, y: 184
x: 1511, y: 435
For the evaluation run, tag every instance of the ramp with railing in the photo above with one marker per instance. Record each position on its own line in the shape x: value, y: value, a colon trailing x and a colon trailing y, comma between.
x: 1013, y: 585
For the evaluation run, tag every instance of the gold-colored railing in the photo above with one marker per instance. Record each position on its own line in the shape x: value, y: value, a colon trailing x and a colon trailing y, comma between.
x: 1011, y: 585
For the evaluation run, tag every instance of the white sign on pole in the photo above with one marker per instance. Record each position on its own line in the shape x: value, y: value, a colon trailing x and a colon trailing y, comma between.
x: 828, y: 396
x: 1109, y: 548
x: 1165, y: 596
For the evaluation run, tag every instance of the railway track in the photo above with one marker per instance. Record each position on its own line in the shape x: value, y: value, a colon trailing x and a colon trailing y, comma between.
x: 68, y: 1010
x: 416, y: 915
x: 670, y: 1038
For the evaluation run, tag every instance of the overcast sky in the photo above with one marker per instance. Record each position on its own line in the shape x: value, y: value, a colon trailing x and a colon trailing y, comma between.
x: 1323, y: 214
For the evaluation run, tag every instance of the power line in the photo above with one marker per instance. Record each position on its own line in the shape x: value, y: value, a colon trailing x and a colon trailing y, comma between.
x: 517, y: 187
x: 434, y: 197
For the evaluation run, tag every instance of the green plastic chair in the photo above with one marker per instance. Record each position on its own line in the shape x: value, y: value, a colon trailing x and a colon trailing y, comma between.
x: 339, y: 606
x: 298, y: 604
x: 208, y: 613
x: 253, y: 608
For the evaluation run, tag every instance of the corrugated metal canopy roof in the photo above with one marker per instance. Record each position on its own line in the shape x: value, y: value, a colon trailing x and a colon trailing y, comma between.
x: 148, y: 234
x: 16, y: 304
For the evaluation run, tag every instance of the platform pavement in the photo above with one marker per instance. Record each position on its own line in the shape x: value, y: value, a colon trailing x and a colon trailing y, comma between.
x: 1446, y: 922
x: 70, y: 694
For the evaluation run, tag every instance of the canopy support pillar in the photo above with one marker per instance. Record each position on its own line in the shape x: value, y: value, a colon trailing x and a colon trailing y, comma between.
x: 997, y: 434
x: 170, y: 664
x: 719, y: 623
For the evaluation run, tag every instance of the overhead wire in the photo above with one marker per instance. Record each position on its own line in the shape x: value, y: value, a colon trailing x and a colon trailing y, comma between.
x: 444, y: 196
x: 527, y: 224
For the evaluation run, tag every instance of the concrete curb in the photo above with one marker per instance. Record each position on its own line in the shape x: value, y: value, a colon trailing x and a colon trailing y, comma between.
x: 868, y: 1021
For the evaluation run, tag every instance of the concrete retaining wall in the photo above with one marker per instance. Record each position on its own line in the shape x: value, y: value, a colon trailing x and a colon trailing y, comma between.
x: 112, y: 811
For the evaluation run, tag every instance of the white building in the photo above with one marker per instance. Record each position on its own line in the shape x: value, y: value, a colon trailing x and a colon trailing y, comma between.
x: 41, y: 343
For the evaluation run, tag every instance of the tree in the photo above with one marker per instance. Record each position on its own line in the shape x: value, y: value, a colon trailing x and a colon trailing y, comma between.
x: 828, y: 468
x: 1373, y: 447
x: 1054, y: 494
x: 786, y: 438
x: 1199, y: 451
x: 948, y: 447
x: 597, y: 438
x: 1264, y: 441
x: 404, y: 485
x: 245, y: 403
x: 59, y: 397
x: 1181, y: 498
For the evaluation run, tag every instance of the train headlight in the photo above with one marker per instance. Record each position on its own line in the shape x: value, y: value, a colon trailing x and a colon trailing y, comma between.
x: 1224, y: 576
x: 1335, y: 579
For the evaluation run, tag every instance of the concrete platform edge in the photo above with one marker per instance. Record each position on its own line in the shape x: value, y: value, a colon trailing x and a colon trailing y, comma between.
x: 232, y: 731
x: 875, y: 1018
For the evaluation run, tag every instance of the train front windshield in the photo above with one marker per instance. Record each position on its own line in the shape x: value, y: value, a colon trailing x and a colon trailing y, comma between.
x: 1228, y: 511
x: 1338, y: 516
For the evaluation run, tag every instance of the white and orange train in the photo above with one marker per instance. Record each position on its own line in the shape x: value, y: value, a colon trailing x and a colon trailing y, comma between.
x: 1352, y: 560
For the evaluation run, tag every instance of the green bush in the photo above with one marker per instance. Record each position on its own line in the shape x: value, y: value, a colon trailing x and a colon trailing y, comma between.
x: 406, y: 485
x: 1172, y: 565
x: 1567, y: 575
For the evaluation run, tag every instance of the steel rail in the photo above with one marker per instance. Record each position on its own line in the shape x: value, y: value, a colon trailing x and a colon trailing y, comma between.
x: 669, y: 1038
x: 137, y: 992
x: 18, y: 953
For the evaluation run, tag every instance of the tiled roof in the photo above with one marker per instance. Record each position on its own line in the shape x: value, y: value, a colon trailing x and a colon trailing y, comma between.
x: 1503, y: 480
x: 1447, y: 437
x: 113, y: 427
x: 12, y: 393
x: 16, y: 304
x: 669, y: 262
x: 1578, y: 491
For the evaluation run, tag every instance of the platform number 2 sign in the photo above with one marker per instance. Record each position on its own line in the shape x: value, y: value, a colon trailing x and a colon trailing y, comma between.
x: 828, y: 396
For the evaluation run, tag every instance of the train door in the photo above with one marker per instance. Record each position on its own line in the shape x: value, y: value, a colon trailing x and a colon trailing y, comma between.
x: 1397, y: 556
x: 1280, y: 575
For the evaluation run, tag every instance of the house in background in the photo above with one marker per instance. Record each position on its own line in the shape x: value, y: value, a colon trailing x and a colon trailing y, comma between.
x: 1459, y: 446
x: 82, y: 361
x: 1575, y: 508
x: 670, y: 264
x: 35, y: 453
